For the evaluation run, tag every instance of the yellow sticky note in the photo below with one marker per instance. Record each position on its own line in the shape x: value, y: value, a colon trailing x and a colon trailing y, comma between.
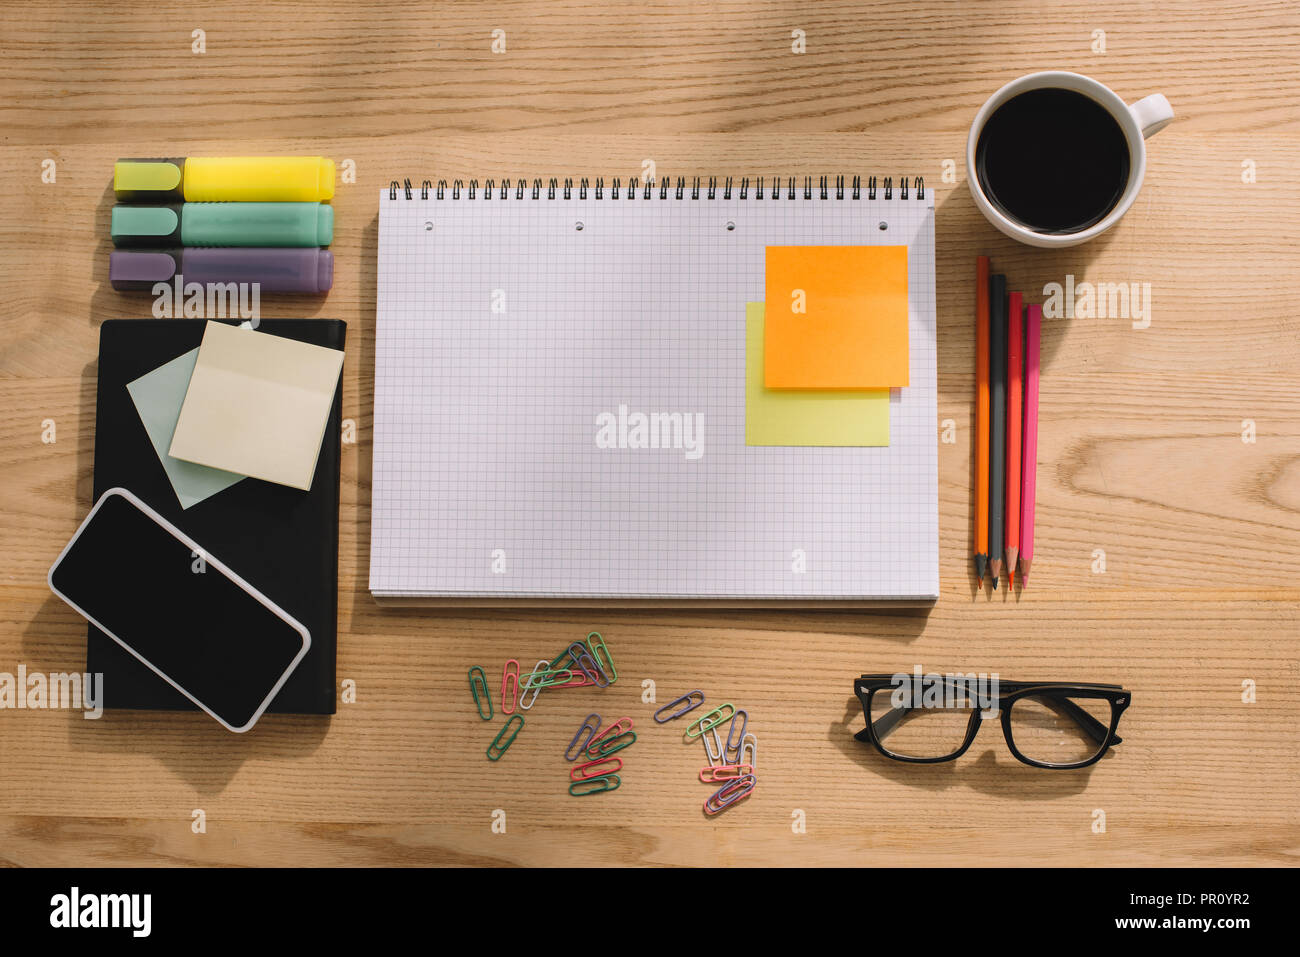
x: 836, y: 317
x: 257, y: 405
x: 806, y: 417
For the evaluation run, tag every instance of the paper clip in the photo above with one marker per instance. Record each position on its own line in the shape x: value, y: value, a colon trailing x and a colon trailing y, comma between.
x: 598, y: 649
x: 603, y: 749
x: 582, y: 654
x: 548, y: 677
x: 618, y: 727
x: 714, y: 752
x: 536, y: 689
x: 580, y: 788
x: 731, y: 792
x: 585, y: 772
x: 509, y: 679
x: 686, y: 699
x: 590, y: 727
x: 725, y: 772
x: 700, y: 725
x: 748, y: 750
x: 576, y: 679
x: 497, y: 745
x: 476, y: 682
x: 743, y: 715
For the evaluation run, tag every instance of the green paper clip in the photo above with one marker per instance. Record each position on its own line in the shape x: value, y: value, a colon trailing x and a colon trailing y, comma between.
x: 583, y: 788
x: 607, y: 746
x: 474, y: 685
x: 596, y: 644
x: 547, y: 678
x: 700, y: 726
x: 496, y: 742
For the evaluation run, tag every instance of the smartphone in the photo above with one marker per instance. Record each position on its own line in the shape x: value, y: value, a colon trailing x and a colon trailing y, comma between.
x: 192, y: 620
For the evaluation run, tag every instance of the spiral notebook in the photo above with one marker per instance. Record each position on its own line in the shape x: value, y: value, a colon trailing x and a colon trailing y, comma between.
x: 521, y: 330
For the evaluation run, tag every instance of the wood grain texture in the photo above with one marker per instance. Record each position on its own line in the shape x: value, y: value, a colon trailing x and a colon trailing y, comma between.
x: 1140, y: 453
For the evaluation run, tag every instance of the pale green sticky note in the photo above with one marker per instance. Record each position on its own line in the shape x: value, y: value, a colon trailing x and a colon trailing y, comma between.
x: 158, y: 396
x: 843, y: 417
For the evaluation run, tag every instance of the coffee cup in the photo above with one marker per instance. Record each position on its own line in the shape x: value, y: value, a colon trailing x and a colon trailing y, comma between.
x: 1055, y: 159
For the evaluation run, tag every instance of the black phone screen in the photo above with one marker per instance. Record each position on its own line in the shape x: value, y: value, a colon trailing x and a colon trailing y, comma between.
x: 170, y: 604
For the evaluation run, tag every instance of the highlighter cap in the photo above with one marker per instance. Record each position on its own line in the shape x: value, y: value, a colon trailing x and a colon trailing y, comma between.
x: 146, y: 226
x: 149, y: 180
x: 139, y: 270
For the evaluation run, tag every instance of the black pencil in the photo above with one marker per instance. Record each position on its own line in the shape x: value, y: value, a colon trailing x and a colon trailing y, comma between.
x: 997, y: 420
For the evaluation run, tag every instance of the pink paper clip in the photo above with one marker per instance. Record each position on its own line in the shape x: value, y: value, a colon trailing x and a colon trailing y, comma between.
x: 725, y: 772
x: 509, y: 687
x: 585, y: 772
x: 616, y: 728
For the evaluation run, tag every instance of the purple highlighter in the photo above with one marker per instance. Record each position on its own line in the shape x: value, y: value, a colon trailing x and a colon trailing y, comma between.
x: 280, y: 269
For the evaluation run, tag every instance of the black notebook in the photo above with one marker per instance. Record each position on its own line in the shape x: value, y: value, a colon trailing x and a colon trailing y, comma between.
x: 281, y: 540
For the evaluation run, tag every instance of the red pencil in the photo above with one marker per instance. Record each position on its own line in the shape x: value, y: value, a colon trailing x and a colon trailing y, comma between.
x: 1015, y: 393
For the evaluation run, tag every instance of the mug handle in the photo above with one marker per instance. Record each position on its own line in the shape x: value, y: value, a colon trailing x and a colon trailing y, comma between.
x: 1153, y: 113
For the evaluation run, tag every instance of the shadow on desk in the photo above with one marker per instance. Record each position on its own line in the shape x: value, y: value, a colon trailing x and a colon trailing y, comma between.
x: 193, y: 746
x: 994, y: 773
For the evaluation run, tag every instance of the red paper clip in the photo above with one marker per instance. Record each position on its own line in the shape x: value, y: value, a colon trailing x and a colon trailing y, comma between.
x: 585, y: 772
x: 726, y: 772
x: 614, y: 729
x: 509, y: 680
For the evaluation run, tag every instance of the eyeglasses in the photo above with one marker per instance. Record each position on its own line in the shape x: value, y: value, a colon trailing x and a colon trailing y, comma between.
x: 935, y: 718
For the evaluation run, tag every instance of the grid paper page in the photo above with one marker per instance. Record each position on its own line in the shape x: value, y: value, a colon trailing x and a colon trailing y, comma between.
x: 511, y: 345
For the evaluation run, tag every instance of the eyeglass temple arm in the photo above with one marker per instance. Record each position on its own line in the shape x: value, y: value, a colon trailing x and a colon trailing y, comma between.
x: 1094, y: 728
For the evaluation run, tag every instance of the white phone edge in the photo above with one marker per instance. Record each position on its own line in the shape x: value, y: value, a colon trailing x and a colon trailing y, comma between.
x: 212, y: 562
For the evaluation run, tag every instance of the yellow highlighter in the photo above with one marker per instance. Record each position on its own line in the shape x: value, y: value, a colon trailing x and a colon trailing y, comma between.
x: 225, y: 179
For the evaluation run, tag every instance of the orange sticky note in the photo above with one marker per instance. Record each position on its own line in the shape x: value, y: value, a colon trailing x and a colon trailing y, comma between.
x: 836, y: 317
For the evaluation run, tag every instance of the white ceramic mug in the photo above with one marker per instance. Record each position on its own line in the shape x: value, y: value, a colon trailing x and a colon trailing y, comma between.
x: 1144, y: 118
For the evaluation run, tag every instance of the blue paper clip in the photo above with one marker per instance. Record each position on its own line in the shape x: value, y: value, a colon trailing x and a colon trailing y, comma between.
x: 497, y: 748
x: 477, y: 681
x: 686, y: 699
x: 591, y: 728
x: 529, y: 686
x: 731, y: 792
x: 580, y: 654
x: 583, y: 788
x: 743, y: 716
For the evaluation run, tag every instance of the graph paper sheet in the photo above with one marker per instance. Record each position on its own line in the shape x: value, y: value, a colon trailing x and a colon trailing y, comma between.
x: 515, y: 350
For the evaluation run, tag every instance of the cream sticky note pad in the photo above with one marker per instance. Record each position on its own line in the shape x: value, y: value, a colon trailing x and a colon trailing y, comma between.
x: 257, y: 405
x: 832, y: 417
x: 836, y: 317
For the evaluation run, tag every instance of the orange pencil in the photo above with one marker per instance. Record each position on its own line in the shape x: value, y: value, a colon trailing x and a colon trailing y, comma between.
x: 981, y: 417
x: 1015, y: 424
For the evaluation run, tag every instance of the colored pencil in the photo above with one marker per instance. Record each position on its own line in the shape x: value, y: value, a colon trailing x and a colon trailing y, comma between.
x: 1015, y: 399
x: 1033, y: 332
x: 997, y: 420
x: 981, y: 417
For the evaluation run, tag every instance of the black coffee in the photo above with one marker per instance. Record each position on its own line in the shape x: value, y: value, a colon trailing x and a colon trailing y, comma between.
x: 1054, y: 161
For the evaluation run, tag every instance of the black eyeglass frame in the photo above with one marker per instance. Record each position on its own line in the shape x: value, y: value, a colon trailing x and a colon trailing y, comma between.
x: 1058, y: 693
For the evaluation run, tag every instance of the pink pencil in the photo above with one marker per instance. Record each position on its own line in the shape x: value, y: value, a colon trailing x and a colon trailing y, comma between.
x: 1029, y: 461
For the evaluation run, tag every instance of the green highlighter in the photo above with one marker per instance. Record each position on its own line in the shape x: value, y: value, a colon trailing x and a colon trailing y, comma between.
x: 223, y: 224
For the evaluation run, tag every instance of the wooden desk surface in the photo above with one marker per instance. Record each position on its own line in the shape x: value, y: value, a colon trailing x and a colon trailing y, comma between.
x: 1141, y: 454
